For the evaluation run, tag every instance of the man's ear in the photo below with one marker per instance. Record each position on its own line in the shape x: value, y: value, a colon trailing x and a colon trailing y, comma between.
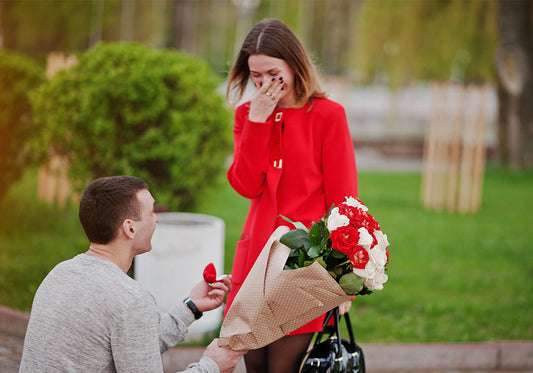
x: 128, y: 228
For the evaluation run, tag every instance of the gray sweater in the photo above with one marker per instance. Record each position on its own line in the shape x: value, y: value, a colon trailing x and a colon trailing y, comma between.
x: 89, y: 316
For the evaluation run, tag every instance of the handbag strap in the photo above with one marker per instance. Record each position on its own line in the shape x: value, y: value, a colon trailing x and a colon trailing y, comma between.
x: 336, y: 327
x: 349, y: 327
x: 336, y: 330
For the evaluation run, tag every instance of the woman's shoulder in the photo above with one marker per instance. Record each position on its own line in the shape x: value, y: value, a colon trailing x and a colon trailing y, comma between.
x: 326, y: 103
x: 326, y: 106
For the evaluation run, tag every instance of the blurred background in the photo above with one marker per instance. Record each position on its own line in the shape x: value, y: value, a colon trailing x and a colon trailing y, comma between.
x: 379, y: 58
x: 438, y: 95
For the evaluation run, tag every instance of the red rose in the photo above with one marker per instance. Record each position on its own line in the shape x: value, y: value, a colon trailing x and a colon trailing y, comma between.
x: 359, y: 258
x: 359, y: 218
x: 353, y: 213
x: 344, y: 239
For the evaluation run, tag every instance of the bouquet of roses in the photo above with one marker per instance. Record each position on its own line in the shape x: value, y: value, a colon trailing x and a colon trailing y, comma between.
x: 348, y: 242
x: 302, y: 274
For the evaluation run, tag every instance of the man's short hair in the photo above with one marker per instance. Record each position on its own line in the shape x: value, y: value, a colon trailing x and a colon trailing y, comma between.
x: 106, y: 202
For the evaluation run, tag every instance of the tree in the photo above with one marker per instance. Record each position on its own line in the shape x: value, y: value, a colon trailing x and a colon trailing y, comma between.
x: 402, y: 41
x: 128, y: 109
x: 18, y: 76
x: 36, y: 28
x: 514, y: 63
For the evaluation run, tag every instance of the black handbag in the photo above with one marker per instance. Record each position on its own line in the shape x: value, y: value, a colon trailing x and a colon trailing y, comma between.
x: 334, y: 355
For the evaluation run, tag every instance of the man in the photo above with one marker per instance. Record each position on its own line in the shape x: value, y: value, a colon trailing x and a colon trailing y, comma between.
x: 88, y: 315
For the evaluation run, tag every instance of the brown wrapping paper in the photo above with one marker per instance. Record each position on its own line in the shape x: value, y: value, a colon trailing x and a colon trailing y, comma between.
x: 272, y: 302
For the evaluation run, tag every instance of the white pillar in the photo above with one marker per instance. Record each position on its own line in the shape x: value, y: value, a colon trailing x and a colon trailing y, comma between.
x: 182, y: 245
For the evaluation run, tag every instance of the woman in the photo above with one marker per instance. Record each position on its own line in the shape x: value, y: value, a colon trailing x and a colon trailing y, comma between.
x: 293, y: 157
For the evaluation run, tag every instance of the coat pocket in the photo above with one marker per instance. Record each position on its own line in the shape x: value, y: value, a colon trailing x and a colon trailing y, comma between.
x: 239, y: 270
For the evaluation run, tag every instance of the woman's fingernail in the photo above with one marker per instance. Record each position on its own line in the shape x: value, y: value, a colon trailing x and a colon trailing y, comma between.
x: 273, y: 79
x: 282, y: 88
x: 280, y: 78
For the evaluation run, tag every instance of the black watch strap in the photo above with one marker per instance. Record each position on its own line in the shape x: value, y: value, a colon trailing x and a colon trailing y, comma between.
x: 196, y: 312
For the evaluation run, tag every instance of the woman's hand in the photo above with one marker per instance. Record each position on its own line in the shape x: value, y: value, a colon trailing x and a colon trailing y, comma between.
x: 265, y: 100
x: 345, y: 307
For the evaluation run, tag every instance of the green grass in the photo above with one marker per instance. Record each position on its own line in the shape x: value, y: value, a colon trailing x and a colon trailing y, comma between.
x: 452, y: 277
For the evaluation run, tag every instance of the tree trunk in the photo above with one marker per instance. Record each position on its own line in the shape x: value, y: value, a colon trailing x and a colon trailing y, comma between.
x: 514, y: 65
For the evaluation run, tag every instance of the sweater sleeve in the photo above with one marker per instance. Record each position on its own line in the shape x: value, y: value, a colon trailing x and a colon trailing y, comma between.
x: 134, y: 340
x: 173, y: 326
x: 172, y: 330
x: 140, y: 338
x: 247, y: 173
x: 205, y: 365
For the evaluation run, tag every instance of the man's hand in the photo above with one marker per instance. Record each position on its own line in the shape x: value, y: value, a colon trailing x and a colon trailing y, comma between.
x: 226, y: 359
x: 207, y: 297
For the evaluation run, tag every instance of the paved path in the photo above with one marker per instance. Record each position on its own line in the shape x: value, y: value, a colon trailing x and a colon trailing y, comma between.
x: 10, y: 352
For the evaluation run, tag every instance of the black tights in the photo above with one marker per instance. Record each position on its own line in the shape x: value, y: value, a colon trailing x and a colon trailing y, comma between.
x: 282, y: 356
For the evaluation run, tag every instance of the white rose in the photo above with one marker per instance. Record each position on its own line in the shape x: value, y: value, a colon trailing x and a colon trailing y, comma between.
x: 382, y: 239
x: 365, y: 239
x: 376, y: 276
x: 350, y: 201
x: 360, y: 272
x: 378, y: 255
x: 373, y: 275
x: 336, y: 220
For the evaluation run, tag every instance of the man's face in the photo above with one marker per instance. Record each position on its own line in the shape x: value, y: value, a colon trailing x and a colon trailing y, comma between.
x: 145, y: 227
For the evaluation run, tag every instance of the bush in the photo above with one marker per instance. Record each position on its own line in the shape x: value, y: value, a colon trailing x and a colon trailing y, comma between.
x: 18, y: 76
x: 128, y: 109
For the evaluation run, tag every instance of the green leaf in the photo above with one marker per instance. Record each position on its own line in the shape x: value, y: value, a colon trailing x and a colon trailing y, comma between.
x: 321, y: 261
x: 337, y: 254
x: 351, y: 283
x: 294, y: 253
x: 297, y: 224
x: 301, y: 259
x: 308, y: 262
x: 315, y: 251
x: 316, y: 235
x: 295, y: 239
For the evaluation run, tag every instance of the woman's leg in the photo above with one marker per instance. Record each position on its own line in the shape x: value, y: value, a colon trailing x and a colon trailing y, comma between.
x: 285, y: 355
x: 256, y: 360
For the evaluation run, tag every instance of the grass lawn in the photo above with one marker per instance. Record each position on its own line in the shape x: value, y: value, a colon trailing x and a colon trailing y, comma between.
x: 452, y: 277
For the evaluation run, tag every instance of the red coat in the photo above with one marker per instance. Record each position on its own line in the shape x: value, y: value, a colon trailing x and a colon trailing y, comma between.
x: 297, y: 165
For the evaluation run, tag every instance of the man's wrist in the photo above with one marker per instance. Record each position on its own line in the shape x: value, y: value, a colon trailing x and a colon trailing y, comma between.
x: 195, y: 311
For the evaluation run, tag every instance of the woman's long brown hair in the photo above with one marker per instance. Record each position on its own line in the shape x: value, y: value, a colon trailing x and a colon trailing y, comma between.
x: 273, y: 38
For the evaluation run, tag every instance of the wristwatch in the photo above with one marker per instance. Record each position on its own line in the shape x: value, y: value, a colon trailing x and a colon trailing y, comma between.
x: 196, y: 312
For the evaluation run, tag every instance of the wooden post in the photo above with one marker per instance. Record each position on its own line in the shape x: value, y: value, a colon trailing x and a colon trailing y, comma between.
x: 53, y: 182
x: 430, y: 146
x: 454, y: 149
x: 480, y: 153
